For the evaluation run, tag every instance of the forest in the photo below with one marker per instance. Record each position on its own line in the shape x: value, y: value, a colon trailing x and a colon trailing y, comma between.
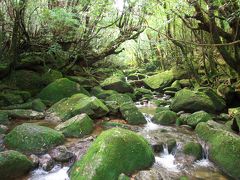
x: 119, y: 89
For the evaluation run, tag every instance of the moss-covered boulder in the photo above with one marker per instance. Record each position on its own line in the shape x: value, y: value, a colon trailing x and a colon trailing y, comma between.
x: 159, y: 81
x: 141, y: 92
x: 13, y: 165
x: 224, y: 148
x: 78, y: 104
x: 77, y: 126
x: 59, y: 89
x: 31, y: 138
x: 117, y: 84
x: 131, y: 114
x: 191, y: 101
x: 114, y: 152
x: 4, y: 119
x: 165, y: 117
x: 194, y: 119
x: 106, y: 93
x: 23, y: 114
x: 176, y: 84
x: 86, y: 82
x: 36, y: 105
x: 193, y: 149
x: 120, y: 98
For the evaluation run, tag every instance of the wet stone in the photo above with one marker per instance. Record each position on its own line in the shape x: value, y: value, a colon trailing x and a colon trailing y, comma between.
x: 61, y: 154
x: 46, y: 162
x: 35, y: 160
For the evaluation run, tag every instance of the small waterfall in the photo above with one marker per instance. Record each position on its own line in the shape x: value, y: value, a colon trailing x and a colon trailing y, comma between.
x: 167, y: 160
x: 150, y: 126
x: 205, y: 162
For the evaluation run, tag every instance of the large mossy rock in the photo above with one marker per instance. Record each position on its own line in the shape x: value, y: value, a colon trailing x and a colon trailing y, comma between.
x: 13, y: 165
x: 86, y: 82
x: 59, y: 89
x: 131, y: 114
x: 159, y: 81
x: 193, y: 149
x: 25, y: 114
x: 224, y: 148
x: 115, y: 101
x: 36, y: 105
x: 120, y: 98
x: 106, y: 93
x: 191, y: 101
x: 141, y: 92
x: 32, y: 138
x: 114, y: 152
x: 77, y: 126
x: 165, y: 117
x: 78, y: 104
x: 117, y: 84
x: 194, y: 119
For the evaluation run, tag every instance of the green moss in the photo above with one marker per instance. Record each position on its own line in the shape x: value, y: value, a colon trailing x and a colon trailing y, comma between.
x: 176, y: 84
x: 131, y: 114
x: 117, y: 84
x: 59, y: 89
x: 197, y: 117
x: 114, y: 152
x: 159, y: 81
x: 224, y: 148
x: 4, y: 118
x: 120, y: 98
x: 13, y: 164
x: 26, y: 80
x: 106, y: 93
x: 113, y: 124
x: 87, y: 82
x: 31, y: 138
x: 78, y: 126
x: 140, y: 92
x: 23, y: 114
x: 9, y: 98
x: 77, y: 104
x: 38, y: 105
x: 191, y: 101
x: 193, y: 149
x: 165, y: 117
x: 51, y: 76
x: 184, y: 178
x: 123, y: 177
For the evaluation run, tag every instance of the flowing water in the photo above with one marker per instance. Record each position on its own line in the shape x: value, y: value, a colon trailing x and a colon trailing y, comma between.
x: 170, y: 165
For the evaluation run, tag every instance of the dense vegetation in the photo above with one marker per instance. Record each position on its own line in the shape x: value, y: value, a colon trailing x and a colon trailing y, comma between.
x: 77, y: 61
